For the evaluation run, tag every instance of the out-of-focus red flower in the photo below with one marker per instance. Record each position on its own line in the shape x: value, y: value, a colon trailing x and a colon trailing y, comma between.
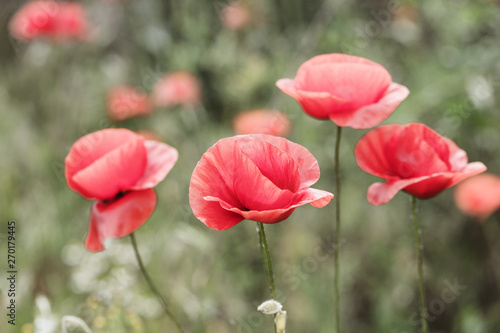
x: 118, y: 169
x: 235, y: 16
x: 349, y: 90
x: 478, y: 196
x: 262, y: 121
x: 125, y: 102
x: 177, y: 88
x: 256, y: 177
x: 412, y: 158
x: 53, y: 19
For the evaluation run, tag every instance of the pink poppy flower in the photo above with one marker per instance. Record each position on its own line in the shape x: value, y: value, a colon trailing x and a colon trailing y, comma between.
x: 118, y: 169
x: 349, y: 90
x: 177, y: 88
x: 125, y: 102
x: 53, y: 19
x: 235, y: 16
x: 256, y: 177
x: 262, y: 121
x: 412, y: 158
x: 478, y: 196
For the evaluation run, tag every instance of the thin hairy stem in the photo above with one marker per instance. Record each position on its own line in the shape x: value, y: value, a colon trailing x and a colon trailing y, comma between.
x: 418, y: 247
x: 153, y: 287
x: 337, y: 231
x: 267, y: 259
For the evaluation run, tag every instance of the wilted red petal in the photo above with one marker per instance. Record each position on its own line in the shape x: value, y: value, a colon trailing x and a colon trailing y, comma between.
x: 161, y: 159
x: 373, y: 114
x: 119, y: 217
x: 103, y: 163
x: 478, y: 196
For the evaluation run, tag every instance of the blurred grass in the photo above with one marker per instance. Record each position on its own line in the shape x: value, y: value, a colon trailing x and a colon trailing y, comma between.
x: 446, y: 52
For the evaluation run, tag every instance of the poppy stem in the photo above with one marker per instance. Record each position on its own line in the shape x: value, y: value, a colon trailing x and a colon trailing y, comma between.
x: 153, y: 287
x: 418, y: 247
x: 337, y: 230
x: 267, y: 259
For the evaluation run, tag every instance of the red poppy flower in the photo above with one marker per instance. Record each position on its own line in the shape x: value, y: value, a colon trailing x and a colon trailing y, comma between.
x: 350, y: 91
x: 47, y: 18
x: 177, y: 88
x: 117, y: 168
x: 412, y: 158
x: 256, y: 177
x: 478, y: 196
x: 125, y: 102
x: 262, y: 121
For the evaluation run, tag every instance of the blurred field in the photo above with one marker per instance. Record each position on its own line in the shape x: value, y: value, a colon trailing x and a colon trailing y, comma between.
x: 447, y: 54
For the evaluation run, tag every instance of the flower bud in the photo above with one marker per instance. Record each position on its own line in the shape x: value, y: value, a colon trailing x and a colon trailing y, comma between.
x: 270, y: 307
x: 280, y: 321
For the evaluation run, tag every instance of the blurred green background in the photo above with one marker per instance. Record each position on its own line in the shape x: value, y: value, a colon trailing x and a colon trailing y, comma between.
x: 446, y: 52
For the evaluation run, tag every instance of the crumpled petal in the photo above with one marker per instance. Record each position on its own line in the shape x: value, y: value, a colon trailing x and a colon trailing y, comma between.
x: 422, y: 187
x: 307, y: 164
x: 373, y: 114
x: 161, y: 159
x: 103, y: 163
x: 316, y: 198
x: 119, y: 217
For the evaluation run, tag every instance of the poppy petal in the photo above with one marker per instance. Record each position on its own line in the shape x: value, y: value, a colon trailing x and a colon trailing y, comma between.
x: 317, y: 198
x: 114, y: 172
x: 308, y: 165
x: 382, y: 193
x: 161, y: 159
x: 276, y: 165
x: 119, y: 217
x: 233, y: 180
x: 253, y: 189
x: 91, y: 147
x: 422, y: 187
x: 360, y: 84
x: 373, y: 114
x: 370, y: 151
x: 458, y: 157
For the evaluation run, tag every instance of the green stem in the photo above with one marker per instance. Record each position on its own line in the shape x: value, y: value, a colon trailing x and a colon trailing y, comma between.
x: 418, y: 247
x: 153, y: 287
x: 337, y: 230
x: 267, y: 259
